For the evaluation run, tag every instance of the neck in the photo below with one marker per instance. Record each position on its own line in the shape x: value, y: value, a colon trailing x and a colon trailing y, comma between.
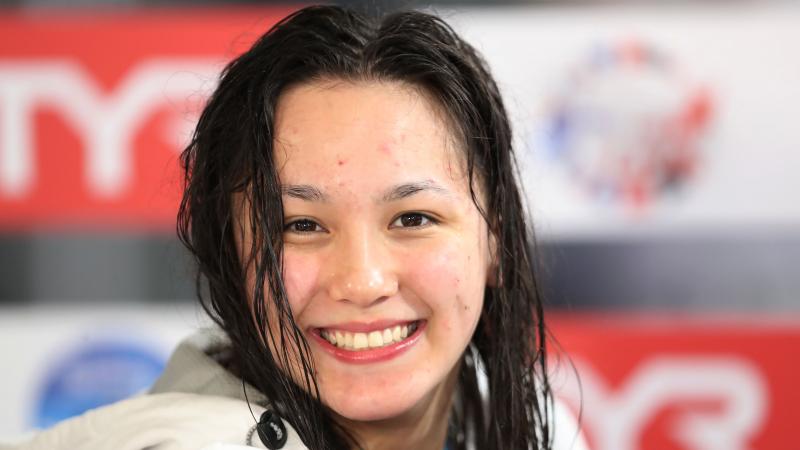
x: 423, y: 427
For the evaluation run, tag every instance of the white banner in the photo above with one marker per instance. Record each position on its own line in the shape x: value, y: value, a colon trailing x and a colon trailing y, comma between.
x: 62, y: 360
x: 653, y: 120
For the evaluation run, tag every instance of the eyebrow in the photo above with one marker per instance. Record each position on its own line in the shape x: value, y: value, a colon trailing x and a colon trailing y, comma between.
x: 405, y: 190
x: 311, y: 193
x: 304, y: 192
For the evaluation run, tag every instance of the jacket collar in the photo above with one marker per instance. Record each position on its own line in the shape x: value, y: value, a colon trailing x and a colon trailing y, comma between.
x: 193, y: 369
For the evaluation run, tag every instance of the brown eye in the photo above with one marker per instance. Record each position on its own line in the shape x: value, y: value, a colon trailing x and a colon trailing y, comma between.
x: 412, y: 220
x: 303, y: 226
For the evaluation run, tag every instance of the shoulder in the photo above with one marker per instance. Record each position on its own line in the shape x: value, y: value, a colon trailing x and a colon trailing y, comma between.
x: 196, y: 404
x: 179, y: 420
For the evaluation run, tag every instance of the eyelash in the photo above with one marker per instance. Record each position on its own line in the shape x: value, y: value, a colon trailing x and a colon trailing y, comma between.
x: 426, y: 219
x: 290, y: 225
x: 430, y: 220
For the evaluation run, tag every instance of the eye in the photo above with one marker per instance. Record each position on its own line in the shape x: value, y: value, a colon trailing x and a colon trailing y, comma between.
x: 412, y: 220
x: 302, y: 226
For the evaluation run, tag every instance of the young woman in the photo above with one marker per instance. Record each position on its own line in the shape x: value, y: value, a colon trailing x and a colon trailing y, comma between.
x: 352, y: 203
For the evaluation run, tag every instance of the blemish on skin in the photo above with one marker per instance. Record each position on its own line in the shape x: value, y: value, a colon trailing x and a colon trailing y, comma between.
x: 450, y: 170
x: 386, y: 149
x: 341, y: 162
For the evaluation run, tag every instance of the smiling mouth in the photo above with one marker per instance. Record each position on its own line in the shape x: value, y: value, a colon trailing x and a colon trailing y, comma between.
x: 366, y: 341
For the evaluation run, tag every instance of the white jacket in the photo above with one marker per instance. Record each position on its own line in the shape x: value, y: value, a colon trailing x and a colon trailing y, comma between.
x: 195, y: 404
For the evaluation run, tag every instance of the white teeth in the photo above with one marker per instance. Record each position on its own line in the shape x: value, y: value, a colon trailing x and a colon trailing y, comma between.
x: 373, y: 339
x: 360, y: 341
x: 339, y: 339
x: 348, y: 340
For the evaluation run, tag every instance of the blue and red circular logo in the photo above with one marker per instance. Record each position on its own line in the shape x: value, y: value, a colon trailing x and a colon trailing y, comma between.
x: 627, y: 124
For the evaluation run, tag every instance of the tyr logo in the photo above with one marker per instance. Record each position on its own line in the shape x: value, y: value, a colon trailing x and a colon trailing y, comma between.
x: 105, y: 122
x: 617, y: 419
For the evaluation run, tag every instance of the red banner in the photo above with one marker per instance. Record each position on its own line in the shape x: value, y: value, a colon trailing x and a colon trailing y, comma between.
x: 95, y: 109
x: 681, y: 383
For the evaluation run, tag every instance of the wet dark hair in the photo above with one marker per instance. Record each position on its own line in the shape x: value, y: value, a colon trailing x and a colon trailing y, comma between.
x: 231, y: 152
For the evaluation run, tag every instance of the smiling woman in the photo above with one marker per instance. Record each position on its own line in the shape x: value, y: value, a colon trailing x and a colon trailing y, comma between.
x: 352, y: 204
x: 386, y: 265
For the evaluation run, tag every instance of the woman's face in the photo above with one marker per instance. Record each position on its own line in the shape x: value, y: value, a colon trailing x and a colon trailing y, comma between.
x: 386, y: 256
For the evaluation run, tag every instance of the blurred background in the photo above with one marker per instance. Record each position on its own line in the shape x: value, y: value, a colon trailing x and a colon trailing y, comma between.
x: 659, y: 144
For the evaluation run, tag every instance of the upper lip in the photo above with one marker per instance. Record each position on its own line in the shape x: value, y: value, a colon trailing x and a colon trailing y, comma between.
x: 365, y: 327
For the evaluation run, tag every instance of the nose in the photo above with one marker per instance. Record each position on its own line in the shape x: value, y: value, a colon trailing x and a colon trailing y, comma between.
x: 362, y: 271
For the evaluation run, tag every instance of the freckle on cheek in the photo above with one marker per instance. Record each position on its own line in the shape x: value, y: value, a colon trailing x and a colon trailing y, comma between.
x: 341, y: 162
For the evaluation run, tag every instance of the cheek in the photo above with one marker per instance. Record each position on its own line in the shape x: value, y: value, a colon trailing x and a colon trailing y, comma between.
x: 450, y: 283
x: 300, y: 274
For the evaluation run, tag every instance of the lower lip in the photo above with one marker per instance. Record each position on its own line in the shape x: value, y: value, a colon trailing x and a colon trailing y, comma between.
x: 374, y: 355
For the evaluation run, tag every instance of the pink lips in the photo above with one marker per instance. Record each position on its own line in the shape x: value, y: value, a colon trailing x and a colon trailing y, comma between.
x: 368, y: 356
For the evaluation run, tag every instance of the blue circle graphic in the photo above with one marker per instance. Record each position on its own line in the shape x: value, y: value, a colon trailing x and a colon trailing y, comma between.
x: 94, y: 375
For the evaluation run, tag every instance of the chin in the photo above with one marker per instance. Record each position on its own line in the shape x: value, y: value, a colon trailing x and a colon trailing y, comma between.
x: 373, y: 401
x: 372, y: 409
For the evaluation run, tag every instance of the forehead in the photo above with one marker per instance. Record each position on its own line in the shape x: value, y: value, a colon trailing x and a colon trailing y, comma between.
x: 359, y: 131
